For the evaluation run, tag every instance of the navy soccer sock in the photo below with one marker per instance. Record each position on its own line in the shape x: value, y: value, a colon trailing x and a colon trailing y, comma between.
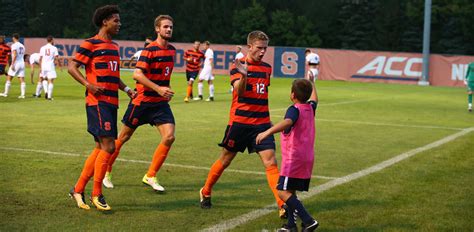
x: 295, y: 204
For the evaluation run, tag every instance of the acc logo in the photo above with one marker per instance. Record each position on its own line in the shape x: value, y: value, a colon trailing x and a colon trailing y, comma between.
x: 107, y: 126
x: 128, y: 64
x: 386, y: 68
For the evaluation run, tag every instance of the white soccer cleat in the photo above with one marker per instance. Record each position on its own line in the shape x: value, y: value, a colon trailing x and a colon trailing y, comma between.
x: 21, y: 97
x: 107, y: 181
x: 3, y: 95
x: 153, y: 182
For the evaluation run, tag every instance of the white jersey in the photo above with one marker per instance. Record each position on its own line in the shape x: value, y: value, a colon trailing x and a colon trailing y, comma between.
x: 312, y: 58
x: 137, y: 55
x: 48, y: 52
x: 239, y: 55
x: 209, y: 55
x: 35, y: 58
x: 20, y: 52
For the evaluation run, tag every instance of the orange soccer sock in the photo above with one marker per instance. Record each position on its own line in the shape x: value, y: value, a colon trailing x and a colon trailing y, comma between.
x: 159, y: 158
x: 216, y: 171
x: 100, y: 167
x: 87, y: 171
x: 272, y: 178
x: 189, y: 91
x: 118, y: 145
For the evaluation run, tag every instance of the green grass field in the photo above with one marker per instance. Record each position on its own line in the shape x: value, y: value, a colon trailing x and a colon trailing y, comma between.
x: 44, y: 143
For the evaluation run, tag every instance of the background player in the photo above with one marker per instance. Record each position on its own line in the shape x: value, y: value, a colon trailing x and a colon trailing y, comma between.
x: 137, y: 54
x: 206, y: 73
x: 249, y: 115
x: 17, y: 67
x: 312, y: 62
x: 193, y: 59
x: 48, y: 55
x: 34, y: 60
x: 151, y: 104
x: 297, y: 151
x: 100, y: 56
x: 470, y: 85
x: 4, y: 54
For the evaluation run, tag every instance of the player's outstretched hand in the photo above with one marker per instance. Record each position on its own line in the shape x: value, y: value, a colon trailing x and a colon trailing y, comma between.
x: 131, y: 94
x: 96, y: 90
x: 165, y: 92
x: 260, y: 137
x: 242, y: 68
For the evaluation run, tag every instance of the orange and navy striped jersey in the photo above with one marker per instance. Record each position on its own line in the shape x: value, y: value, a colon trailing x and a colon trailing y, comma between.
x: 4, y: 53
x: 102, y: 61
x: 252, y: 107
x: 197, y: 57
x: 157, y: 64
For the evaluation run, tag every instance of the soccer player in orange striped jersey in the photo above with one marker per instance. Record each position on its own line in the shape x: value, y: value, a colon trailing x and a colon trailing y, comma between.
x: 4, y: 54
x: 100, y: 56
x: 152, y: 73
x: 194, y: 58
x: 249, y: 115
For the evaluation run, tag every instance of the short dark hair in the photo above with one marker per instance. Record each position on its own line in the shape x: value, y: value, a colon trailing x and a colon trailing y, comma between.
x: 207, y: 42
x: 302, y: 88
x: 307, y: 51
x: 49, y: 38
x: 161, y: 18
x: 16, y: 35
x: 104, y: 12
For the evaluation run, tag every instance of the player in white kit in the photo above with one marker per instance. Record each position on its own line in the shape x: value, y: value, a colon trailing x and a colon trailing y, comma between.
x: 312, y: 62
x: 48, y: 55
x: 206, y: 73
x: 34, y: 59
x: 17, y: 67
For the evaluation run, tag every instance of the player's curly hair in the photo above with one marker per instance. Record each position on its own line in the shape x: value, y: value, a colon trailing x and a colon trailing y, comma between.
x: 104, y: 12
x: 257, y: 35
x: 302, y: 88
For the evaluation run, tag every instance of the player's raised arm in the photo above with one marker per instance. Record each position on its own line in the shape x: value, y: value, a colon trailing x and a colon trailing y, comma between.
x: 241, y: 70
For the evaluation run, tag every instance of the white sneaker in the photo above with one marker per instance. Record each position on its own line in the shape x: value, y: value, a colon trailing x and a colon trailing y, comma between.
x: 21, y: 97
x: 153, y: 182
x: 107, y: 181
x: 3, y: 95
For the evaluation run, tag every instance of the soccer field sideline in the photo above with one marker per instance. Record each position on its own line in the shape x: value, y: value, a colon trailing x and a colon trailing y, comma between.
x: 246, y: 218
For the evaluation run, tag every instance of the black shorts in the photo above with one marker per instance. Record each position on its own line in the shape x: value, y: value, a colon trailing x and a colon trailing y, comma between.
x: 238, y: 136
x: 191, y: 74
x: 2, y: 69
x: 156, y: 113
x: 295, y: 184
x: 102, y: 120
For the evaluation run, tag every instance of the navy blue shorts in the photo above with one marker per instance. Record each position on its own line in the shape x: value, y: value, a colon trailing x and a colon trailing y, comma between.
x: 156, y: 113
x: 191, y: 74
x: 238, y: 137
x: 2, y: 69
x: 102, y: 120
x: 292, y: 184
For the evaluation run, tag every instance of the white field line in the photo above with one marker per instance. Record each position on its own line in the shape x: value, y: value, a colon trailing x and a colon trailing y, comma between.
x: 385, y: 124
x: 245, y: 218
x: 148, y: 162
x: 335, y: 103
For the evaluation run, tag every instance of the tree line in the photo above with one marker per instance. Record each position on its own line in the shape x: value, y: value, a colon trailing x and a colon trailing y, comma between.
x: 378, y: 25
